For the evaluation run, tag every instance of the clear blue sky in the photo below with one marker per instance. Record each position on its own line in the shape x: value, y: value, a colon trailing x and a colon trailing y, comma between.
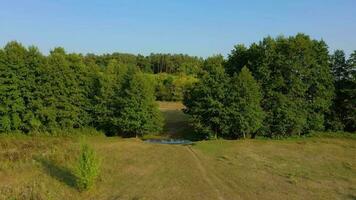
x: 196, y: 27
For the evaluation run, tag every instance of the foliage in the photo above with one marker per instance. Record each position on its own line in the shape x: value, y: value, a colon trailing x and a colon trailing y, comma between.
x: 343, y: 113
x: 245, y: 115
x: 154, y: 63
x: 170, y: 87
x: 68, y: 91
x: 295, y: 78
x: 302, y: 90
x: 205, y: 100
x: 125, y: 103
x: 139, y: 112
x: 87, y: 169
x: 223, y: 106
x: 12, y: 78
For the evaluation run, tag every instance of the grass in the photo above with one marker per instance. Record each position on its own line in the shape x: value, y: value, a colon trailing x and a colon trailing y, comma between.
x: 176, y: 125
x: 317, y: 167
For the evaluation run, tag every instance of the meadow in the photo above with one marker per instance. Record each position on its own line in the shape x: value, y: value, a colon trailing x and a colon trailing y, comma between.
x: 321, y: 166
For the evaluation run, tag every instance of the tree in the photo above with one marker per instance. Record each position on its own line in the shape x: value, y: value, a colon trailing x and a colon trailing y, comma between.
x: 139, y: 113
x: 205, y: 100
x: 35, y: 61
x: 343, y: 112
x: 81, y: 96
x: 339, y: 66
x: 12, y: 78
x: 58, y: 92
x: 350, y: 93
x: 125, y: 102
x: 295, y: 80
x: 106, y: 97
x: 245, y: 114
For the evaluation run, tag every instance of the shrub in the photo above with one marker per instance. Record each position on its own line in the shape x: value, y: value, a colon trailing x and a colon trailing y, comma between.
x: 87, y: 168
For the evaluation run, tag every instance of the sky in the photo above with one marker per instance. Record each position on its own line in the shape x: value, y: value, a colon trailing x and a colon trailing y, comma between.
x: 196, y: 27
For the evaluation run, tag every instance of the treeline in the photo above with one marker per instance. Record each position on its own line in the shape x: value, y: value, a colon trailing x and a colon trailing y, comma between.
x: 171, y: 73
x: 154, y: 63
x: 277, y: 87
x: 65, y: 91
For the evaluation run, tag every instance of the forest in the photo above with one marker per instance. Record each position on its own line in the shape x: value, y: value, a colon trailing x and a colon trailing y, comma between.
x: 277, y: 87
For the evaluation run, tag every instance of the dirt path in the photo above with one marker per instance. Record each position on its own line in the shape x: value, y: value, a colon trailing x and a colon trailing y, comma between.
x: 204, y: 173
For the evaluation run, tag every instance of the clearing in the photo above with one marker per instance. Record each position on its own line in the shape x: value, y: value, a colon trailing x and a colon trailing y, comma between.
x: 304, y: 168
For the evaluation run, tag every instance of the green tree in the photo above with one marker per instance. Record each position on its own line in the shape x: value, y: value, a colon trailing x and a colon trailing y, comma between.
x: 12, y: 78
x: 350, y: 91
x: 81, y: 95
x: 245, y: 114
x: 205, y: 100
x: 58, y: 92
x: 31, y: 89
x: 107, y: 96
x: 139, y: 113
x: 295, y: 81
x: 339, y: 66
x: 343, y: 113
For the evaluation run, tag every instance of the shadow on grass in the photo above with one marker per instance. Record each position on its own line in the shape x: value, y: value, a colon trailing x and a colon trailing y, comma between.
x: 60, y: 173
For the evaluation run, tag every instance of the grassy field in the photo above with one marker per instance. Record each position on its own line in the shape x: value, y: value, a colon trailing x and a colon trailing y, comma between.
x: 176, y: 125
x: 304, y: 168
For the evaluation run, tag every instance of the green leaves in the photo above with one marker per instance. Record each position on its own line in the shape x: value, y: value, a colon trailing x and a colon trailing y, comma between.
x: 12, y: 83
x: 5, y: 123
x: 126, y: 103
x: 205, y: 100
x: 243, y: 106
x: 295, y: 81
x: 343, y: 113
x: 45, y: 93
x: 223, y: 106
x: 289, y: 77
x: 88, y: 168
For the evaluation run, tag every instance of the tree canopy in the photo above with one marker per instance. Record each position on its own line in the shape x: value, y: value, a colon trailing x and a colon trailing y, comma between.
x: 295, y: 79
x: 277, y: 87
x: 65, y: 91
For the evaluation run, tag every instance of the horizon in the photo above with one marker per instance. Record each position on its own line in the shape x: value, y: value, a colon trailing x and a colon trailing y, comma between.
x: 175, y: 27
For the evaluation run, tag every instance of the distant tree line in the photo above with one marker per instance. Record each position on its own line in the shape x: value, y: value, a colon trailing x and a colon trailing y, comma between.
x: 170, y: 87
x: 278, y: 87
x: 153, y: 63
x: 171, y: 73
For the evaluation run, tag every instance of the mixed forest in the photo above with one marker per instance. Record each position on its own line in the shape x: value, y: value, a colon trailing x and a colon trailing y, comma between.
x: 276, y: 87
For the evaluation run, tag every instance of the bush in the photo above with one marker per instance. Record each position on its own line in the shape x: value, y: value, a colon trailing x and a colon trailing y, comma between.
x: 87, y: 168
